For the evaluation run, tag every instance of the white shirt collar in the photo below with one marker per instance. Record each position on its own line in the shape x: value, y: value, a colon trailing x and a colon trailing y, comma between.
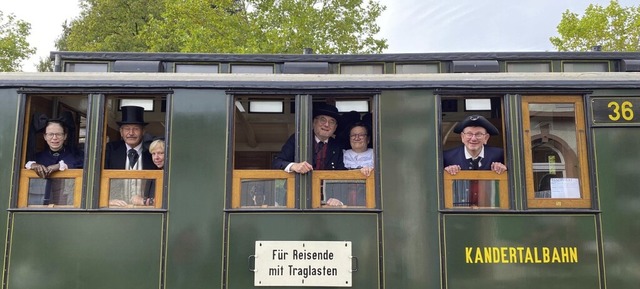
x: 467, y: 155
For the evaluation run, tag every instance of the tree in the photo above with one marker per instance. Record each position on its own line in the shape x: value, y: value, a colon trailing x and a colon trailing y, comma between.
x: 14, y: 47
x: 109, y: 25
x: 613, y: 28
x: 227, y: 26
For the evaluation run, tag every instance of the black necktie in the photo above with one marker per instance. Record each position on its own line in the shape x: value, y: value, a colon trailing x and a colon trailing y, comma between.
x: 475, y: 164
x: 133, y: 157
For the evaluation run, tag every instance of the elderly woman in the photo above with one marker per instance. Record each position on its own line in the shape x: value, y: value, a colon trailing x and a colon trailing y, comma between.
x: 55, y: 157
x: 156, y: 148
x: 360, y: 156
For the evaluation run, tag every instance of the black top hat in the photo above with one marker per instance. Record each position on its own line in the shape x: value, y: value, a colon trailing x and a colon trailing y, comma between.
x: 326, y: 109
x: 132, y: 115
x: 476, y: 120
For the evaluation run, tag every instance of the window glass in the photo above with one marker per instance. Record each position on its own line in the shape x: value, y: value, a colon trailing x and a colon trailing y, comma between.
x: 556, y: 160
x: 86, y: 67
x: 586, y: 67
x: 361, y: 69
x: 196, y: 68
x: 352, y: 193
x: 246, y: 68
x: 57, y: 191
x: 417, y: 68
x: 528, y: 67
x: 263, y: 193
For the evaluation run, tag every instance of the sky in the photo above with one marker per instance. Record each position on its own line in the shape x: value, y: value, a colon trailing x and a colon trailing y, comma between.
x: 409, y: 26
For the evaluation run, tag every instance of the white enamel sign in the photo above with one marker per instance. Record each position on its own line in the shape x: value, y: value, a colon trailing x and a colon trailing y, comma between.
x: 303, y: 263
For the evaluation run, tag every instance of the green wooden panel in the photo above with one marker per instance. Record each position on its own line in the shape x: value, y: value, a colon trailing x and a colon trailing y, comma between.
x: 409, y: 188
x: 85, y: 250
x: 197, y: 188
x: 617, y: 158
x: 8, y: 116
x: 359, y: 228
x: 521, y: 251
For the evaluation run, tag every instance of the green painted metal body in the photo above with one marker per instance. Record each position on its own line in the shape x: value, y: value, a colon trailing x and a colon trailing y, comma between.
x: 409, y: 243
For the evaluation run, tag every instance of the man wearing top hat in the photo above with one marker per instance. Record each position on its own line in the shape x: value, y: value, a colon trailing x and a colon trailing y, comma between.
x: 128, y: 152
x: 474, y: 132
x: 327, y: 152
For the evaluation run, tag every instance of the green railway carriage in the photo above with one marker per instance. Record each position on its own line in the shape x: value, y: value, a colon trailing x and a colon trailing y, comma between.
x: 565, y: 215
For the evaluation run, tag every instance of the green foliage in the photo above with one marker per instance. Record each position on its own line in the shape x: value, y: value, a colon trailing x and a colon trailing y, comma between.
x: 226, y: 26
x: 614, y: 28
x: 45, y: 65
x: 14, y: 47
x: 110, y: 25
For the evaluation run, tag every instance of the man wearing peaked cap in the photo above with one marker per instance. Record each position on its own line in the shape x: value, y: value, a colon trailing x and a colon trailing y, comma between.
x: 327, y: 152
x: 128, y: 153
x: 474, y: 131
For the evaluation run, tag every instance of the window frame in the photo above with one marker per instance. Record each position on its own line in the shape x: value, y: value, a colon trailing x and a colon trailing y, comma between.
x: 26, y: 175
x: 106, y: 175
x: 584, y: 202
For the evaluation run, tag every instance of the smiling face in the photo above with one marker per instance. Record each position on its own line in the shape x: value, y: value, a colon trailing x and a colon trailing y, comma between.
x: 158, y: 157
x: 131, y: 134
x: 474, y: 137
x: 324, y: 126
x: 359, y: 139
x: 55, y: 136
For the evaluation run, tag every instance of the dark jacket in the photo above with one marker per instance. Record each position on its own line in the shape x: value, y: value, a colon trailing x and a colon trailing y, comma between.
x: 333, y: 159
x: 456, y: 156
x: 73, y: 159
x: 116, y: 156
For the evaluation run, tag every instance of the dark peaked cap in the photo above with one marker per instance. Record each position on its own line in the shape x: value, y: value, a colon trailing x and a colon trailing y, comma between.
x: 476, y: 120
x: 132, y: 115
x: 326, y: 109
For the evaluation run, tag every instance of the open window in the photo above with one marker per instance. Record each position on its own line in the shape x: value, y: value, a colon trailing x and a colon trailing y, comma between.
x: 555, y: 152
x: 262, y: 124
x: 354, y: 134
x: 474, y: 186
x: 53, y: 151
x: 132, y: 173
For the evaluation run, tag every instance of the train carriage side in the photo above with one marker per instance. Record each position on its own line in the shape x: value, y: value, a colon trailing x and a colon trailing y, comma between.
x: 218, y: 201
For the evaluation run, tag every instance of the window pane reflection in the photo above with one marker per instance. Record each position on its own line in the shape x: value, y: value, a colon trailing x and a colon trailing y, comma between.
x: 554, y: 150
x: 350, y: 192
x: 131, y: 192
x: 476, y: 193
x: 51, y: 192
x: 263, y: 193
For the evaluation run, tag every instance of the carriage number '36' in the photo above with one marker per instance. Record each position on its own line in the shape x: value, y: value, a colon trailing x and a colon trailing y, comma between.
x: 623, y: 110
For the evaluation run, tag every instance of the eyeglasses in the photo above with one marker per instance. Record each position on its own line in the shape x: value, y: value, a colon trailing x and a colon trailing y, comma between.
x: 324, y: 120
x: 477, y: 134
x: 52, y: 135
x: 357, y: 136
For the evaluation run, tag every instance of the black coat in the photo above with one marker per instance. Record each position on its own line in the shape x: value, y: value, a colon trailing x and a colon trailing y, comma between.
x: 116, y: 156
x: 333, y: 160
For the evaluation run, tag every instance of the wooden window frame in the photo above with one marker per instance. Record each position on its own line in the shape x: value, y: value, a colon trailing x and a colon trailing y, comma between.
x: 108, y: 175
x: 239, y: 175
x: 26, y: 176
x: 503, y: 187
x: 581, y: 154
x: 320, y: 175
